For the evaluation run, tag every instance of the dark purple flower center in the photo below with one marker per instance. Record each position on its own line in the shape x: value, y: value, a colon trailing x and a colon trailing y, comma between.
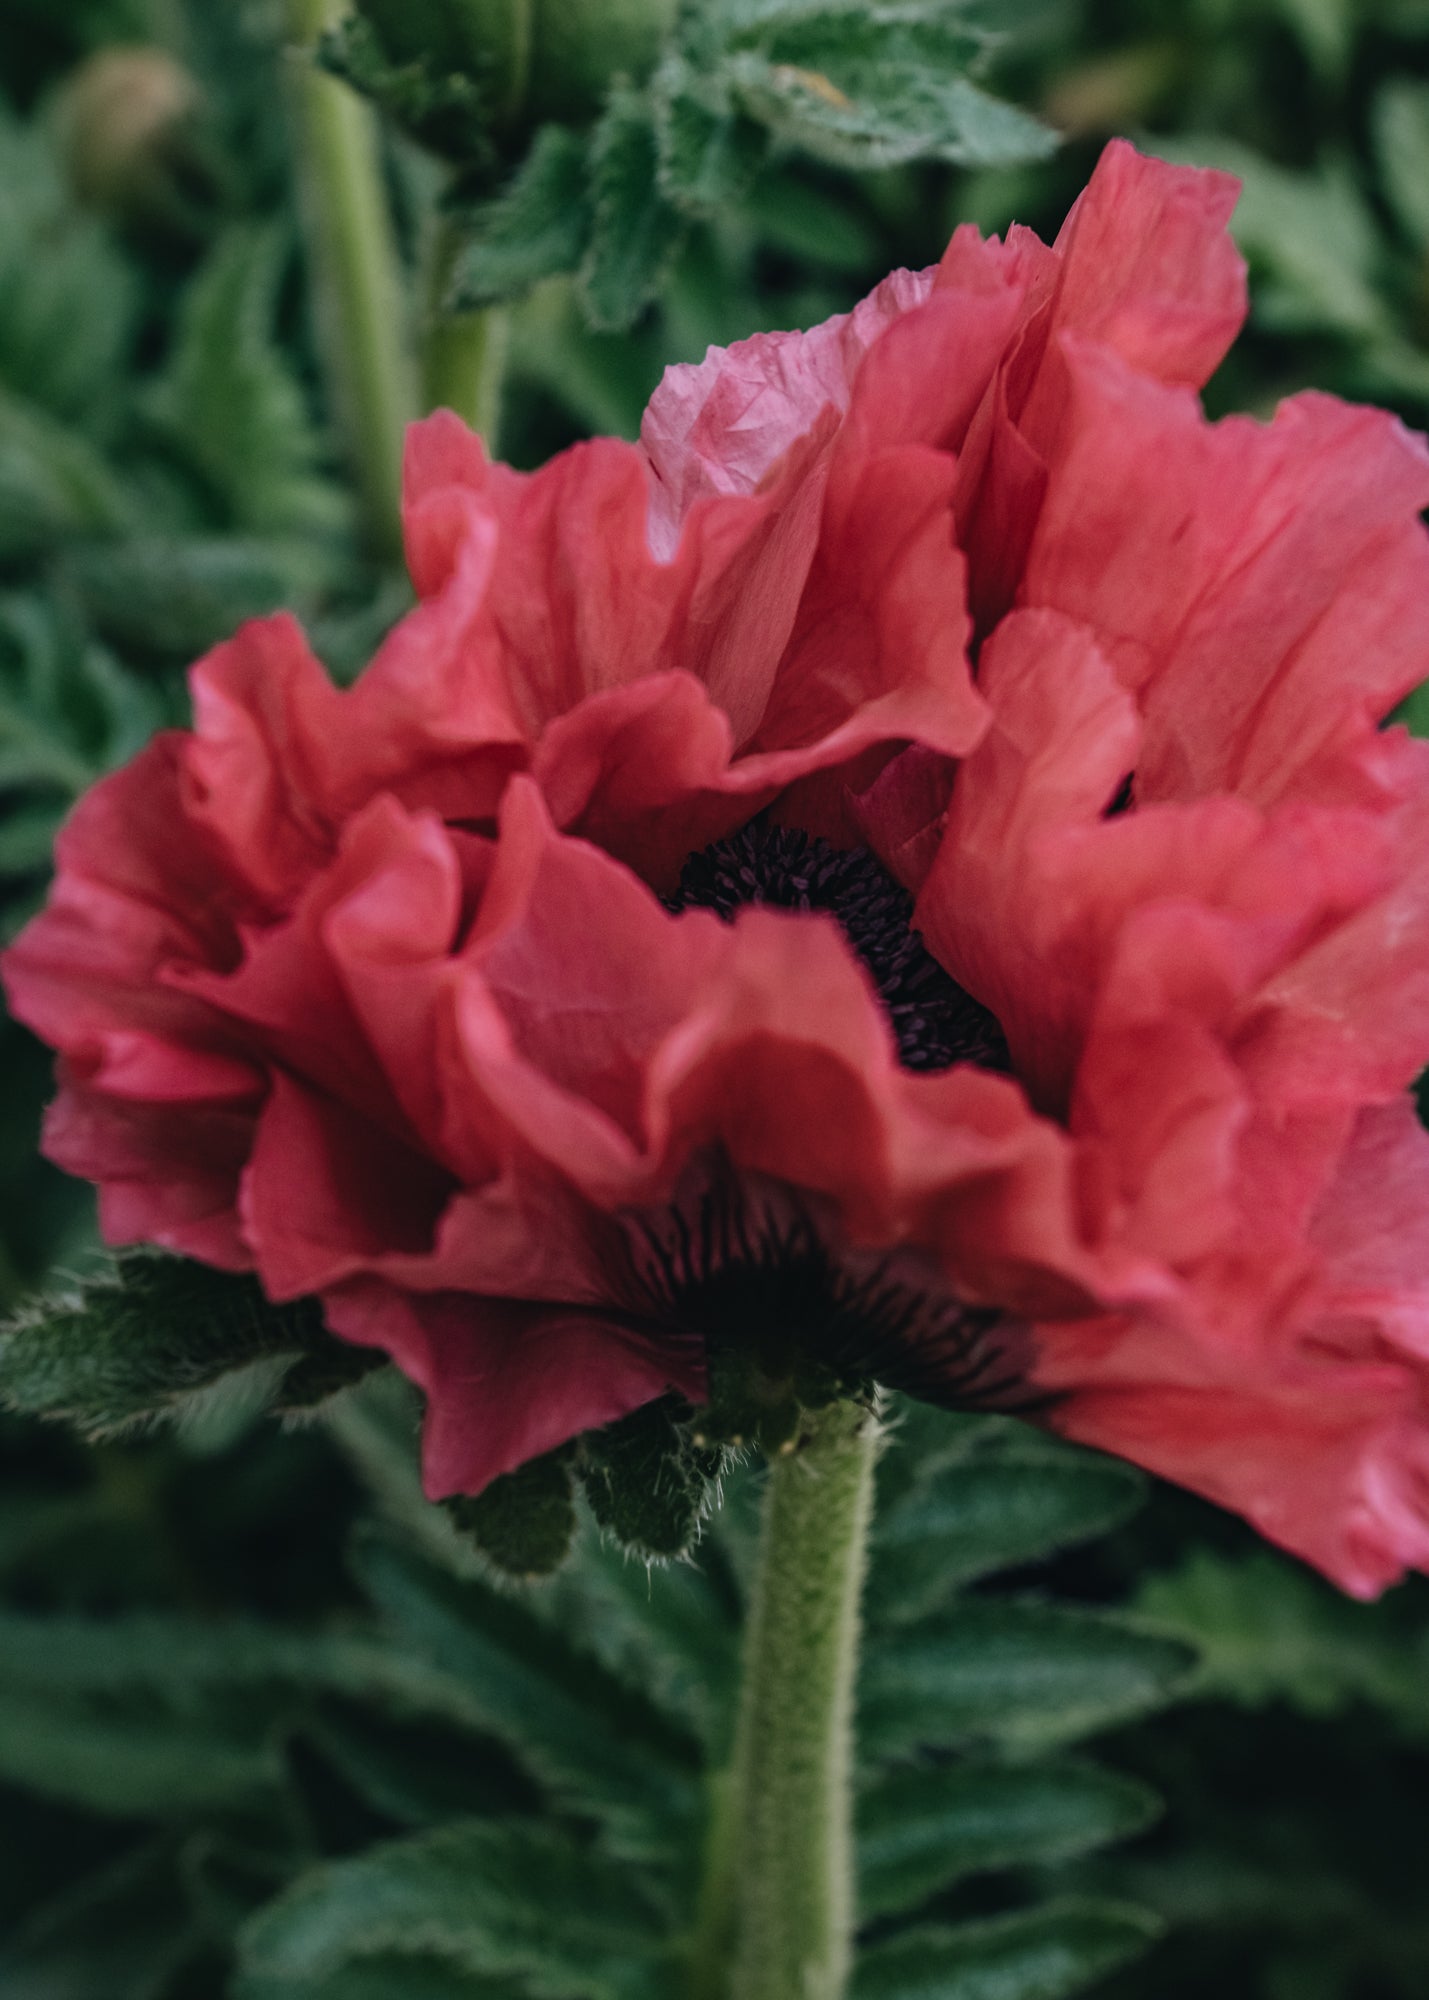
x: 935, y: 1022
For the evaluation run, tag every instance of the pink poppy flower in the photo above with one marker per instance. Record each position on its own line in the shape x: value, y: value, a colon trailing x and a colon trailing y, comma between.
x: 900, y: 874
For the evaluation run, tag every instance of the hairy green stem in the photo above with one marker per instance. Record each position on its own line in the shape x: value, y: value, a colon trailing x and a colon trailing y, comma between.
x: 357, y: 280
x: 463, y: 353
x: 780, y: 1904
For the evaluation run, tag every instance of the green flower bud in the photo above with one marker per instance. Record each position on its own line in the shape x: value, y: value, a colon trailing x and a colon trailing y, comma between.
x: 128, y: 127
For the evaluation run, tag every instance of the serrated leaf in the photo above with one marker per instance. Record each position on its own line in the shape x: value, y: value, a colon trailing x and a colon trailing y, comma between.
x: 68, y: 710
x: 495, y: 1898
x: 1043, y: 1954
x: 126, y: 1763
x: 71, y: 300
x: 985, y: 1516
x: 648, y: 1483
x: 1266, y: 1630
x: 671, y: 1631
x: 132, y: 1344
x: 709, y: 150
x: 524, y: 1522
x: 172, y: 597
x: 535, y: 228
x: 122, y: 1930
x: 1022, y: 1673
x: 438, y: 103
x: 876, y: 85
x: 634, y: 230
x: 231, y: 404
x: 393, y: 1976
x: 598, y: 1746
x: 1401, y: 135
x: 54, y: 484
x: 923, y: 1827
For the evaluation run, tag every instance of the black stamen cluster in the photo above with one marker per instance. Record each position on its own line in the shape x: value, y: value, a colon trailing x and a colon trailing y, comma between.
x: 934, y: 1021
x: 755, y: 1279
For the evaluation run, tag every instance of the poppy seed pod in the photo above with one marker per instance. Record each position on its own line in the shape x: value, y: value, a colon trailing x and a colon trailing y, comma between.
x: 534, y: 58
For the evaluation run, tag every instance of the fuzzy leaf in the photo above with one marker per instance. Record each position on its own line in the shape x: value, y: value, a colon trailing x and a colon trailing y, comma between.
x: 71, y: 300
x: 439, y: 105
x: 1024, y: 1673
x: 1267, y: 1630
x: 175, y: 596
x: 875, y: 83
x: 392, y: 1976
x: 600, y: 1747
x: 1401, y: 133
x: 117, y: 1761
x: 672, y: 1631
x: 535, y: 228
x: 923, y: 1827
x: 525, y: 1522
x: 647, y: 1483
x: 1040, y: 1955
x: 68, y: 711
x: 987, y: 1515
x: 231, y: 404
x: 496, y: 1898
x: 131, y: 1345
x: 710, y: 151
x: 54, y: 485
x: 635, y: 231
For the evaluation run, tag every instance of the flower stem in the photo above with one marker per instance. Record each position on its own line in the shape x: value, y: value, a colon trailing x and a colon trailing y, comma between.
x: 357, y: 281
x: 463, y: 353
x: 780, y: 1884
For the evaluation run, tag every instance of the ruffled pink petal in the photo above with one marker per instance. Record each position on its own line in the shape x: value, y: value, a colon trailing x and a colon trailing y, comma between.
x: 505, y: 1382
x: 328, y: 1192
x: 1267, y: 594
x: 722, y: 425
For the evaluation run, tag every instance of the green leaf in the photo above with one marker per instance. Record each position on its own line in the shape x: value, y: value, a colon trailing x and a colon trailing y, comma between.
x: 496, y: 1898
x: 535, y: 228
x: 55, y: 485
x: 393, y: 1976
x: 126, y: 1763
x: 1266, y: 1630
x: 68, y: 711
x: 71, y: 300
x: 1311, y: 236
x: 1041, y: 1955
x: 923, y: 1827
x: 133, y: 1344
x: 710, y: 151
x: 876, y: 83
x: 1401, y: 136
x: 635, y: 231
x: 987, y: 1515
x: 173, y: 596
x: 437, y: 102
x: 671, y: 1631
x: 230, y: 403
x: 1023, y: 1673
x: 599, y: 1747
x: 648, y: 1484
x: 524, y: 1523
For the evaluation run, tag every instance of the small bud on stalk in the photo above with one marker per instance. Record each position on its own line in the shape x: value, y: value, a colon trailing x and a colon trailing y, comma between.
x: 131, y: 137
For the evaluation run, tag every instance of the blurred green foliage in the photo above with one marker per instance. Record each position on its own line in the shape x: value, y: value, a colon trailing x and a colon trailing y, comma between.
x: 203, y: 1689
